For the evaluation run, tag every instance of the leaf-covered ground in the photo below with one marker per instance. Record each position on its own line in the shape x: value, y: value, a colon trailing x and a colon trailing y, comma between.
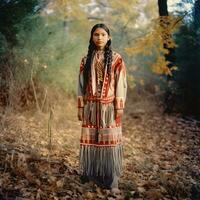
x: 161, y: 158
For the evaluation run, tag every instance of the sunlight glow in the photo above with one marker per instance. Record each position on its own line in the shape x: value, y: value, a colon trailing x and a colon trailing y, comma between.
x: 172, y: 6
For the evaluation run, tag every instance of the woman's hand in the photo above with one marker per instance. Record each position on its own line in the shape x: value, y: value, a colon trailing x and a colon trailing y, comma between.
x: 80, y: 114
x: 118, y: 113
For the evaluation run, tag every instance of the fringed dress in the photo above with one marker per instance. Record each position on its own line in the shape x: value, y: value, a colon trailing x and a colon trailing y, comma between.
x: 101, y: 148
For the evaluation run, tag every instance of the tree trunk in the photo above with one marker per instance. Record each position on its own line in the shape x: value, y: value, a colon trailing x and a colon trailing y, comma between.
x: 166, y: 36
x: 164, y: 21
x: 163, y: 9
x: 196, y: 14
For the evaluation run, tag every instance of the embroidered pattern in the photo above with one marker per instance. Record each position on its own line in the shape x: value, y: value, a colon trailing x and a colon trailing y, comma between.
x: 101, y: 132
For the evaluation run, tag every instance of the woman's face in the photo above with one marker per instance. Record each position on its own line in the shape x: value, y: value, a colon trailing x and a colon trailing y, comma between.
x: 100, y: 38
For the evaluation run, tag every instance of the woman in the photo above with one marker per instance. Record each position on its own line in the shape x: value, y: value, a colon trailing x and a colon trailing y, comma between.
x: 102, y: 90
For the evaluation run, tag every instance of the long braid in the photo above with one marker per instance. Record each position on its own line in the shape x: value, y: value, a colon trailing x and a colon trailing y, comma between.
x: 87, y: 67
x: 108, y: 58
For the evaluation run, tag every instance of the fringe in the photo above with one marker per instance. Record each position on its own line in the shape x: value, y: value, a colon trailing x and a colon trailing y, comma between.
x: 101, y: 161
x: 93, y: 113
x: 86, y: 113
x: 106, y: 113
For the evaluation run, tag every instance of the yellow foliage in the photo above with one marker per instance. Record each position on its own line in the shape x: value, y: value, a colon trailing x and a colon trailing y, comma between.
x: 66, y: 9
x: 157, y: 43
x: 161, y: 67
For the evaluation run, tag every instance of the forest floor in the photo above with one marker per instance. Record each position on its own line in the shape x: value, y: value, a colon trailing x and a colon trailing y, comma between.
x: 161, y: 158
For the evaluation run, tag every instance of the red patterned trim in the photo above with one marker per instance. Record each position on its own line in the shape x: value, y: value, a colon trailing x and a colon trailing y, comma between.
x: 110, y: 138
x: 102, y: 143
x: 105, y: 87
x: 118, y: 124
x: 102, y: 100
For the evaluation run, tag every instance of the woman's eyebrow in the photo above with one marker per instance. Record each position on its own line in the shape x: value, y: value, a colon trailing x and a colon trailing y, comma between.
x: 99, y: 33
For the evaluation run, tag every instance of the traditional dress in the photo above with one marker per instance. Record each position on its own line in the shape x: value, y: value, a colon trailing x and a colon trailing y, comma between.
x: 101, y: 149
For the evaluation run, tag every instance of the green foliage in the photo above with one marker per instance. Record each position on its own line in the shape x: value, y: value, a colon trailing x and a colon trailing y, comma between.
x: 50, y: 43
x: 12, y: 12
x: 48, y: 51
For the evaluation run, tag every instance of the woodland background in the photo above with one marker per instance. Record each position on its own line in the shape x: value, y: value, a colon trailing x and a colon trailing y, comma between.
x: 41, y: 45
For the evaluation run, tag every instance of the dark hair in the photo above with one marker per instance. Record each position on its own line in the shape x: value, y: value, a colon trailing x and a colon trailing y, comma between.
x: 91, y: 48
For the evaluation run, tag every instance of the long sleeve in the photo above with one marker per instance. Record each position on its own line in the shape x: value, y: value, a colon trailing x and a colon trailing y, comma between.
x: 120, y: 84
x: 80, y: 85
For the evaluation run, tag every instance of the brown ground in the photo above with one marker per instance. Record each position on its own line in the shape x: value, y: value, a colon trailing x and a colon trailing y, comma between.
x: 161, y: 158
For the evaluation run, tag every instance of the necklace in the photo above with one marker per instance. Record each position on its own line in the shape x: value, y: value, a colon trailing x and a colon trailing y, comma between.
x: 99, y: 54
